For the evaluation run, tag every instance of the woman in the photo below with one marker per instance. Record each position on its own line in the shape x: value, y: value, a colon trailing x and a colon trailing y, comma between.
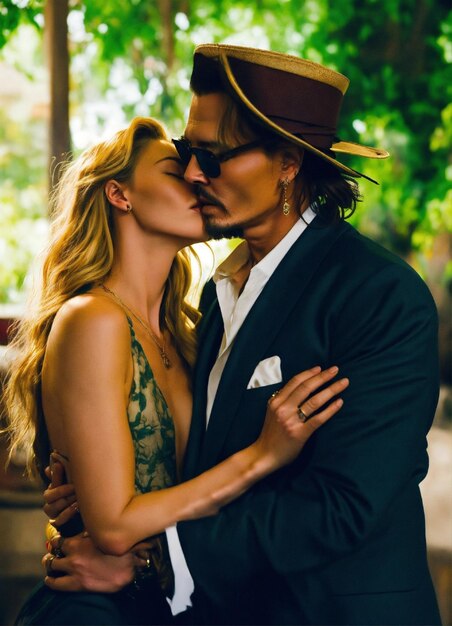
x: 104, y: 371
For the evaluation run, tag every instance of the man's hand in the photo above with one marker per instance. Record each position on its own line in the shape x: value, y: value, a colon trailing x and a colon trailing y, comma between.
x: 60, y: 498
x: 60, y: 504
x: 85, y: 568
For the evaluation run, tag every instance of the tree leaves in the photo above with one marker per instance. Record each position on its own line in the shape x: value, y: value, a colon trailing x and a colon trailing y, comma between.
x: 134, y: 56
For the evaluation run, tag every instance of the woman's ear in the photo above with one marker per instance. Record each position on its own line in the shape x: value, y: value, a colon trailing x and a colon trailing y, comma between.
x: 115, y: 196
x: 291, y: 161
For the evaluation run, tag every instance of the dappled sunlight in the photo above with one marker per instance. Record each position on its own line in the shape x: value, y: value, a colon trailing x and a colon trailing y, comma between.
x: 131, y: 59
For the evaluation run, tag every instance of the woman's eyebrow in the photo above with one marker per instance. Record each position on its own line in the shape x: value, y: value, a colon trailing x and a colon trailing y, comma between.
x: 170, y: 158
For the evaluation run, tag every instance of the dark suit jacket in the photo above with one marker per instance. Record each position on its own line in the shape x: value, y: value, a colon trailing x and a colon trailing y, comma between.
x: 338, y: 537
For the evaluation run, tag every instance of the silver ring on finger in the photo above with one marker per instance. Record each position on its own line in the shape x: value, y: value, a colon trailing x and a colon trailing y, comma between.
x: 302, y: 415
x: 49, y: 562
x: 274, y: 394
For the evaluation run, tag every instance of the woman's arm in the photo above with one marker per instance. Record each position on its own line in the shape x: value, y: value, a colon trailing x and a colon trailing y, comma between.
x: 85, y: 386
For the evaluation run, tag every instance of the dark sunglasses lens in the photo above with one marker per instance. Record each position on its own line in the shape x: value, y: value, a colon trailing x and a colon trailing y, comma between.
x: 208, y: 162
x: 183, y: 149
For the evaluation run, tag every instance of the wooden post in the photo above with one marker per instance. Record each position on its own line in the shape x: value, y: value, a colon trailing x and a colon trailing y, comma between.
x: 56, y: 13
x: 167, y: 16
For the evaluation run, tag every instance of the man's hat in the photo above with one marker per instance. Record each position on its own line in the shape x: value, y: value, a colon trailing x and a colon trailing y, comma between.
x: 295, y: 98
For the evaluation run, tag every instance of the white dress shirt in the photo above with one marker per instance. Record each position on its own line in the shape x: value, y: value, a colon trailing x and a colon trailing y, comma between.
x: 235, y: 304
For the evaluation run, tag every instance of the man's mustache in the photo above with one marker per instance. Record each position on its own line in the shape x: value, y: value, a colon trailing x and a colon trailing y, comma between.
x: 206, y: 197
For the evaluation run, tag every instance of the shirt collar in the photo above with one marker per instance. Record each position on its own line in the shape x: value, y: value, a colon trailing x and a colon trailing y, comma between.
x: 240, y: 256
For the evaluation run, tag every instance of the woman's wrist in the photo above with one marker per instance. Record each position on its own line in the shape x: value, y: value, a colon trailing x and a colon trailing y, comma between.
x: 249, y: 466
x: 262, y: 461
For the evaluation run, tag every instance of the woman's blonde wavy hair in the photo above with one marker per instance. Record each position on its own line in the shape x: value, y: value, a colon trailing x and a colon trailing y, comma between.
x: 80, y: 255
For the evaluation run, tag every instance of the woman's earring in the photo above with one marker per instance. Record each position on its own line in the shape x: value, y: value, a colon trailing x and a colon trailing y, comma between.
x: 129, y: 208
x: 286, y: 206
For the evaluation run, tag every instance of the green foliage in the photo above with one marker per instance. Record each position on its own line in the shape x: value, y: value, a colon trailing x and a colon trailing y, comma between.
x: 22, y: 231
x: 395, y: 52
x: 23, y: 201
x: 16, y: 12
x: 23, y: 167
x: 133, y: 57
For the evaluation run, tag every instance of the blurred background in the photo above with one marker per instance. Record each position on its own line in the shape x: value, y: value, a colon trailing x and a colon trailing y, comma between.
x: 72, y: 72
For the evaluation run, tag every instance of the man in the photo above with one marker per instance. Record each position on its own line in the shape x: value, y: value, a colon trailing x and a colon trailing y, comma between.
x: 338, y: 537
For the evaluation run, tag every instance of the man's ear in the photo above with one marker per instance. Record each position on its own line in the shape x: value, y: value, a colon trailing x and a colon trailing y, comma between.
x: 291, y: 162
x: 116, y: 195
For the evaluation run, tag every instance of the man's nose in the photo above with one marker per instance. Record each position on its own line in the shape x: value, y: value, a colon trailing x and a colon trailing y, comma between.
x: 194, y: 174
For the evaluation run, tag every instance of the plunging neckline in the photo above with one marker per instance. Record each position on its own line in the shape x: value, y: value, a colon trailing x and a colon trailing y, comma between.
x: 148, y: 366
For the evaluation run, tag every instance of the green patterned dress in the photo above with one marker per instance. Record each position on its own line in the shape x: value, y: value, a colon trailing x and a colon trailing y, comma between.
x: 141, y: 602
x: 151, y: 426
x: 153, y: 435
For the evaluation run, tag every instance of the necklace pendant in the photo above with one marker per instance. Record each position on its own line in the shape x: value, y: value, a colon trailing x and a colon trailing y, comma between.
x: 161, y: 348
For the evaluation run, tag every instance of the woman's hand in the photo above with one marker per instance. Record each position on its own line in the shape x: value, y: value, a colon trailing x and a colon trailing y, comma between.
x: 293, y: 414
x: 296, y: 411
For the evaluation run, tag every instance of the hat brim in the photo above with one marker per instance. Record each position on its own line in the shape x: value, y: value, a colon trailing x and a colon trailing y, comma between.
x: 221, y: 54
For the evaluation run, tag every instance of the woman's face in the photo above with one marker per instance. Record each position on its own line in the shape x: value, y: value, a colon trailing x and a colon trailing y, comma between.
x: 162, y: 201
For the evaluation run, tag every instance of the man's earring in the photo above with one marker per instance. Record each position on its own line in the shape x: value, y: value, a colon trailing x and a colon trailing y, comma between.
x: 129, y: 208
x: 286, y: 206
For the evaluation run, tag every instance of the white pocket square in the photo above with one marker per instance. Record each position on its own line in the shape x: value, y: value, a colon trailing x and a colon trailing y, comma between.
x: 267, y: 372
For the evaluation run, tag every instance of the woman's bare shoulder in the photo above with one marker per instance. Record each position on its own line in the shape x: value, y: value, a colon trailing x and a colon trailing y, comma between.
x: 90, y: 316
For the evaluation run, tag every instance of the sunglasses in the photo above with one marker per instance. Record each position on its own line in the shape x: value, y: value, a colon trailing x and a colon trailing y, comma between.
x: 208, y: 161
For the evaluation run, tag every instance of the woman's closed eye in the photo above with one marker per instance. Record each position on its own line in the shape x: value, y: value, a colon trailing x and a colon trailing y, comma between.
x: 178, y: 175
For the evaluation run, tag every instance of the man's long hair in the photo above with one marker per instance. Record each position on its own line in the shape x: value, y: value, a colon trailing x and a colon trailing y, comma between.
x: 330, y: 193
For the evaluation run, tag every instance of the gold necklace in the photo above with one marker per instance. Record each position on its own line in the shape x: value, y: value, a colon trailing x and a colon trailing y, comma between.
x: 160, y: 346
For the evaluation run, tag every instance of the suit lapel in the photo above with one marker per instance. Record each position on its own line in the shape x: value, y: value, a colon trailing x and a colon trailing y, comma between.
x: 210, y: 334
x: 262, y: 325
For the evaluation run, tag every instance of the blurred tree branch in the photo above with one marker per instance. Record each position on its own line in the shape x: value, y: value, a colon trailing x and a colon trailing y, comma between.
x: 56, y: 33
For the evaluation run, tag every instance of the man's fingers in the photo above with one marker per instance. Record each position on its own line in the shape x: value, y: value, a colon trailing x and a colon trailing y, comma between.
x: 65, y: 516
x: 57, y: 542
x: 54, y: 510
x: 53, y: 494
x: 55, y: 545
x: 63, y: 583
x: 60, y: 565
x: 57, y: 472
x: 68, y: 545
x: 47, y: 560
